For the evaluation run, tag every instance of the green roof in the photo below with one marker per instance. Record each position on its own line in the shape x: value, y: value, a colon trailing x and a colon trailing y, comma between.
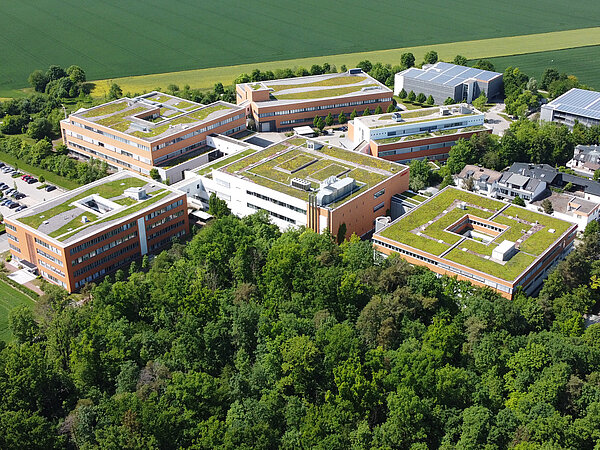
x: 533, y: 232
x: 61, y: 219
x: 275, y: 166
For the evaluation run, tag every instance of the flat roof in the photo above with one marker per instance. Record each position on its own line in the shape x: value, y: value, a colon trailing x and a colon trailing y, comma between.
x: 448, y: 74
x: 426, y: 228
x: 154, y: 116
x: 316, y: 87
x: 576, y: 101
x: 418, y: 115
x: 275, y: 166
x: 68, y: 218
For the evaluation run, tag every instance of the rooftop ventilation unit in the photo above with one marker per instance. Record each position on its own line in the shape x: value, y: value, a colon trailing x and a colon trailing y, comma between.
x: 335, y: 191
x: 300, y: 183
x: 504, y: 251
x: 397, y: 116
x: 462, y: 205
x: 355, y: 71
x: 381, y: 222
x: 313, y: 145
x: 136, y: 193
x: 444, y: 112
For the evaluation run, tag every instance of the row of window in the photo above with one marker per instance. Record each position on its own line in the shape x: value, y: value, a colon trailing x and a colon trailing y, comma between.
x: 180, y: 152
x: 165, y: 220
x: 166, y: 229
x: 112, y: 136
x: 378, y: 207
x: 10, y: 226
x: 103, y: 249
x: 108, y: 269
x: 420, y: 148
x: 102, y: 155
x: 53, y: 269
x: 109, y: 147
x: 379, y: 194
x: 271, y: 213
x: 166, y: 240
x: 11, y: 237
x: 14, y: 247
x: 277, y: 202
x: 50, y: 257
x: 200, y: 131
x: 164, y: 209
x: 105, y: 259
x: 48, y: 246
x: 53, y: 279
x: 322, y: 107
x: 102, y: 237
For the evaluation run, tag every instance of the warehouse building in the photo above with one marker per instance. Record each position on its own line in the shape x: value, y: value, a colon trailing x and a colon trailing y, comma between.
x: 98, y: 228
x: 575, y: 105
x: 444, y: 80
x: 281, y: 105
x: 475, y: 238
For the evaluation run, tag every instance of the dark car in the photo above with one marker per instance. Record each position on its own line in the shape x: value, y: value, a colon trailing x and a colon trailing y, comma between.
x: 50, y: 188
x: 13, y: 205
x: 32, y: 180
x: 21, y: 208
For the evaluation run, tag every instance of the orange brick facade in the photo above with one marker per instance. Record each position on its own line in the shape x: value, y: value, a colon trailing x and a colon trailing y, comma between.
x: 60, y: 261
x: 285, y: 115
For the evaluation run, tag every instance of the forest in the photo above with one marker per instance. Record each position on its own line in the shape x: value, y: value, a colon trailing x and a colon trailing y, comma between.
x: 247, y: 337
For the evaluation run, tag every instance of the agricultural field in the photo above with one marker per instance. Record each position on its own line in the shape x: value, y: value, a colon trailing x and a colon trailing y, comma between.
x: 111, y: 38
x: 580, y: 62
x: 10, y: 298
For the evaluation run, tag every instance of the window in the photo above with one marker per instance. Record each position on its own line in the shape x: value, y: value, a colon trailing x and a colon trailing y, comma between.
x: 378, y: 207
x: 379, y: 194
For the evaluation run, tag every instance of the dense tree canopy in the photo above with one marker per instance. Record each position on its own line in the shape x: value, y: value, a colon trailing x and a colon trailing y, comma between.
x: 252, y: 338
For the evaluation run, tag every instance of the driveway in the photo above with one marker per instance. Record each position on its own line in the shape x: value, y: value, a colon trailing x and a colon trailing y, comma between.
x: 34, y: 196
x: 498, y: 123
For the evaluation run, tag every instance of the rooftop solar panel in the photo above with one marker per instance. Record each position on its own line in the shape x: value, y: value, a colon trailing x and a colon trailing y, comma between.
x: 443, y: 73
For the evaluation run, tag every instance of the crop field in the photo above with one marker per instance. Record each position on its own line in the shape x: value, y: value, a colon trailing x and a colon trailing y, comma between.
x: 10, y: 298
x: 111, y: 38
x: 581, y: 62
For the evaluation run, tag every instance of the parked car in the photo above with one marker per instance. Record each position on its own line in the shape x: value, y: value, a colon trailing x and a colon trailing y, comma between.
x: 13, y: 205
x: 20, y: 208
x: 32, y: 181
x: 5, y: 187
x: 5, y: 202
x: 19, y: 196
x: 50, y: 188
x: 24, y: 177
x: 2, y: 164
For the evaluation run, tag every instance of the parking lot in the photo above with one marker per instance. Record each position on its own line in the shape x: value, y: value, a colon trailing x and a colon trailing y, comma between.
x: 33, y: 195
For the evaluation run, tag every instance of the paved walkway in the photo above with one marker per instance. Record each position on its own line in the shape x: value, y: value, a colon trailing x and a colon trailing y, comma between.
x: 27, y: 281
x: 498, y: 123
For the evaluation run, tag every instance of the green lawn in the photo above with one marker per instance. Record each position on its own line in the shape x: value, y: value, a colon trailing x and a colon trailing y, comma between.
x: 169, y: 40
x: 225, y: 160
x: 10, y: 298
x: 36, y: 171
x: 334, y: 81
x: 576, y: 61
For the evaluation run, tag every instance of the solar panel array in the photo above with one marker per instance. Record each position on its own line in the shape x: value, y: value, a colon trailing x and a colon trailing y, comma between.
x: 579, y: 102
x: 449, y: 74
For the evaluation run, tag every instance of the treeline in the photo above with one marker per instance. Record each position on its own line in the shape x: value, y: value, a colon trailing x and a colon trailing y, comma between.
x: 251, y: 338
x: 524, y: 141
x: 41, y: 155
x: 60, y: 83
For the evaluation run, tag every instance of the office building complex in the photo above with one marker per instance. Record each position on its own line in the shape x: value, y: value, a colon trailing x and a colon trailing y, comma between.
x: 475, y: 238
x: 280, y: 105
x: 575, y: 105
x: 301, y: 182
x: 444, y: 80
x: 427, y: 133
x: 152, y: 130
x: 98, y: 228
